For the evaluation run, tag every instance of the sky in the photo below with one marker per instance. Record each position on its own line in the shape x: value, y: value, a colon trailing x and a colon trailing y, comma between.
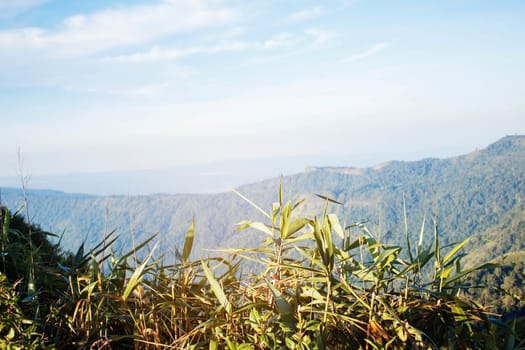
x: 113, y: 85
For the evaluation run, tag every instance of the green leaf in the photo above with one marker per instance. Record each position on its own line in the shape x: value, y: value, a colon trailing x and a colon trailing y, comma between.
x: 188, y: 241
x: 7, y: 222
x: 285, y: 309
x: 259, y: 226
x: 89, y: 289
x: 388, y: 255
x: 285, y: 220
x: 455, y: 250
x: 445, y: 272
x: 136, y: 277
x: 216, y: 288
x: 252, y: 203
x: 311, y: 293
x: 328, y: 199
x: 463, y: 273
x: 437, y: 248
x: 407, y: 238
x: 11, y: 334
x: 281, y: 192
x: 421, y: 234
x: 276, y: 206
x: 336, y: 226
x: 296, y: 225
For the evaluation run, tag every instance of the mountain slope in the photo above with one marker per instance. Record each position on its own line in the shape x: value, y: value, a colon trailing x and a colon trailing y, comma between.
x: 468, y: 194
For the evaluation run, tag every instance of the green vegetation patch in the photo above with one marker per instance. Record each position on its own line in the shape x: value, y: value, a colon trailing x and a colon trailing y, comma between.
x: 320, y: 284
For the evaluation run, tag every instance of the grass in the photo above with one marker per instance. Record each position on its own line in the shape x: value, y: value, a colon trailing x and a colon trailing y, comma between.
x: 320, y: 285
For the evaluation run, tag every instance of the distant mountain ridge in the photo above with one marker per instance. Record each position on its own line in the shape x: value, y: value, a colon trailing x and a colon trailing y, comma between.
x: 469, y: 195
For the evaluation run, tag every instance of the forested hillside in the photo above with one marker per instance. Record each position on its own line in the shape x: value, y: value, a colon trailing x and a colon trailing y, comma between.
x: 469, y: 195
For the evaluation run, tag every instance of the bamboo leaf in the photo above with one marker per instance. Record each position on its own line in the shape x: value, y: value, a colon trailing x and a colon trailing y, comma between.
x: 259, y: 226
x: 445, y: 272
x: 464, y: 273
x: 296, y: 225
x: 407, y: 238
x: 136, y: 277
x: 251, y: 203
x: 276, y: 206
x: 285, y: 220
x: 298, y: 203
x: 336, y: 226
x: 285, y: 309
x: 437, y: 248
x: 424, y: 257
x: 281, y: 192
x: 328, y: 199
x: 188, y: 241
x: 216, y: 288
x: 388, y: 255
x: 360, y: 224
x: 455, y: 250
x: 7, y: 223
x: 421, y: 234
x: 135, y: 249
x: 312, y: 293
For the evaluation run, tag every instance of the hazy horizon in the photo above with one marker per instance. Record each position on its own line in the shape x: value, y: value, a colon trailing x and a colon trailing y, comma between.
x: 101, y: 87
x: 210, y: 177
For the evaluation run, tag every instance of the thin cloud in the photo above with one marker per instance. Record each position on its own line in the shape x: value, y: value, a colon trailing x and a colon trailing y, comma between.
x: 149, y: 90
x: 306, y: 14
x: 292, y: 45
x: 160, y: 54
x: 319, y: 36
x: 14, y: 7
x: 300, y: 42
x: 12, y: 4
x: 375, y: 49
x: 347, y: 3
x: 107, y: 29
x: 280, y: 41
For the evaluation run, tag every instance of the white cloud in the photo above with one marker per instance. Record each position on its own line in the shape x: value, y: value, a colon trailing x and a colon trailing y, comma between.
x: 12, y: 7
x: 11, y: 4
x: 280, y: 41
x: 346, y: 3
x: 367, y: 53
x: 320, y: 36
x: 306, y: 14
x: 99, y: 52
x: 144, y: 90
x: 303, y: 43
x: 73, y: 55
x: 106, y: 29
x: 158, y: 54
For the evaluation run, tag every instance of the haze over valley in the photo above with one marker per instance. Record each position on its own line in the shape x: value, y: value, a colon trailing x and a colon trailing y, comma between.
x: 468, y: 193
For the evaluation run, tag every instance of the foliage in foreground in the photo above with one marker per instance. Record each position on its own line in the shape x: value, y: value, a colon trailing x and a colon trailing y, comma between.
x: 321, y: 286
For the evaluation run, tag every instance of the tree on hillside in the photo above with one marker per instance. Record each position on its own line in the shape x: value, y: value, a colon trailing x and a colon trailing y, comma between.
x: 26, y: 253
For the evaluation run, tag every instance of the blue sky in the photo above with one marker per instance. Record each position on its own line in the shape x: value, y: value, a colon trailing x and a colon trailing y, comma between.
x: 88, y: 86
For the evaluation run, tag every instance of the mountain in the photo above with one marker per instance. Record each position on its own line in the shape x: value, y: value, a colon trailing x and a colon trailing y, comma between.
x: 469, y: 195
x: 200, y: 178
